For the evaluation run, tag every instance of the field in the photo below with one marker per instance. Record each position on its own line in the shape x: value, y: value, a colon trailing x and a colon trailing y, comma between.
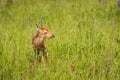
x: 87, y: 37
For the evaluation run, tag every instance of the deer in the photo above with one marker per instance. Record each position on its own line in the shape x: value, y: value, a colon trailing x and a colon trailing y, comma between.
x: 39, y: 42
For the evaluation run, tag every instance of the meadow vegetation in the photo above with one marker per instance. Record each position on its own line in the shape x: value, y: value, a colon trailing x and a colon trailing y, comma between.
x: 87, y: 36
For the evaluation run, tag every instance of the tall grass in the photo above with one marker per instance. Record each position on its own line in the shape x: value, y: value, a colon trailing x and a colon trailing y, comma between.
x: 86, y: 37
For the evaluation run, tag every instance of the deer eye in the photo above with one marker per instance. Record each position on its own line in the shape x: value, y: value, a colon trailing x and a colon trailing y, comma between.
x: 46, y: 32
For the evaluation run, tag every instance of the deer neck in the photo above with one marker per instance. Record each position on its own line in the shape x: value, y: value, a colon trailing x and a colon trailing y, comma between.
x: 42, y: 38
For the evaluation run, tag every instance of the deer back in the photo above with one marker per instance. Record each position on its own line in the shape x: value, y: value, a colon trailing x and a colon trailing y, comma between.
x: 37, y: 40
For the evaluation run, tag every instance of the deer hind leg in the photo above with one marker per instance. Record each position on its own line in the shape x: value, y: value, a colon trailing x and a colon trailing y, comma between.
x: 36, y: 51
x: 36, y: 55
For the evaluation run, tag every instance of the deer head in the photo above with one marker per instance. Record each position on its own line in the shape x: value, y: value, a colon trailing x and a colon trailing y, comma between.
x: 44, y: 32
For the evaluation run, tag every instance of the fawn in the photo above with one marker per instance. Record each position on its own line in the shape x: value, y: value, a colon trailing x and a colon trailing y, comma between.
x: 39, y: 42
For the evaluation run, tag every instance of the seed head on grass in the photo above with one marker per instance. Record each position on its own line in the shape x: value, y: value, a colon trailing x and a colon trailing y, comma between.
x: 72, y: 68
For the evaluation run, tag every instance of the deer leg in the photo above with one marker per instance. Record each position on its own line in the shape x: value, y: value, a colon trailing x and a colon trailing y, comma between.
x: 43, y: 59
x: 36, y: 55
x: 36, y: 51
x: 45, y: 56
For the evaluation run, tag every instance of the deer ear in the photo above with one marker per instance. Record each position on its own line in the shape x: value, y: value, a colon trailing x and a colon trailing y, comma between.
x: 37, y: 27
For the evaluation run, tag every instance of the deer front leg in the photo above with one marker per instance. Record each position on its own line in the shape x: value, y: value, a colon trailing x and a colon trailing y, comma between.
x: 45, y: 56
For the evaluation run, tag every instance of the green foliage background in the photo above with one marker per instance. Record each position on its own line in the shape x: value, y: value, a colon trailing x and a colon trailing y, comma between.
x: 87, y: 36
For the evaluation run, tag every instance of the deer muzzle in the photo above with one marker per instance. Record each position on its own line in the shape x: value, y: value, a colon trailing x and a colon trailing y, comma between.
x: 52, y: 36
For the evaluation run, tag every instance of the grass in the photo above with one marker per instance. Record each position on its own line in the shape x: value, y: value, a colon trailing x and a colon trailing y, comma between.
x: 86, y: 36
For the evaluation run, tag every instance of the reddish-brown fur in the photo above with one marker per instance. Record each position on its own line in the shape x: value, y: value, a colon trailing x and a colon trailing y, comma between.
x: 39, y: 42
